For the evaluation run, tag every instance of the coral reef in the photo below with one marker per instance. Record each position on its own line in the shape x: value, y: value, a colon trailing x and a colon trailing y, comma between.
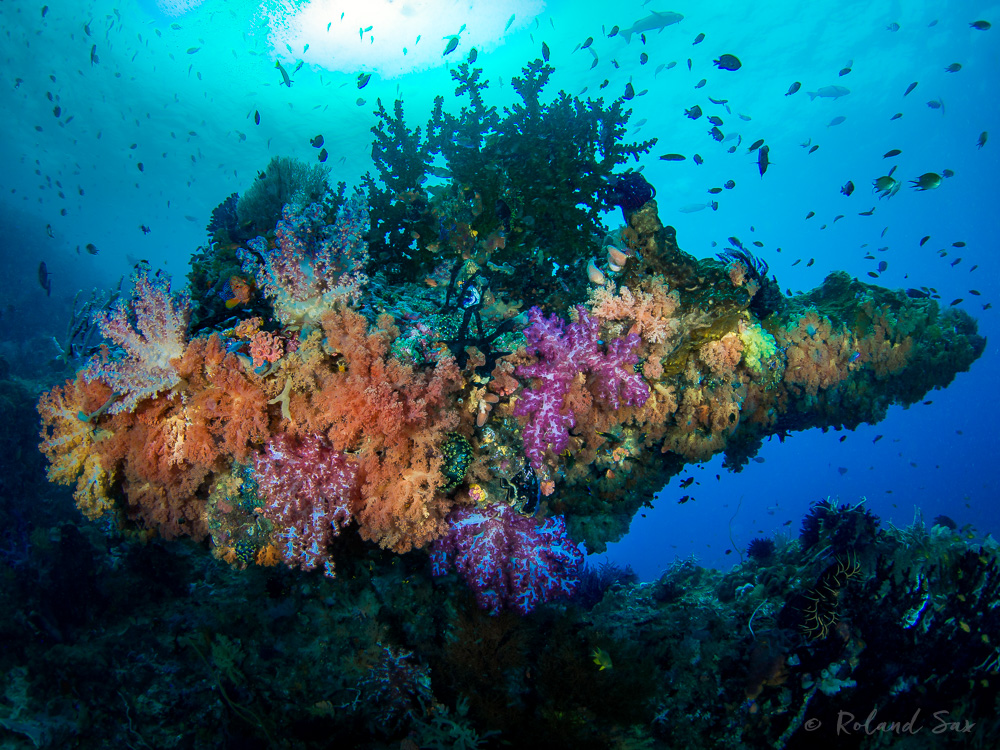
x: 508, y: 560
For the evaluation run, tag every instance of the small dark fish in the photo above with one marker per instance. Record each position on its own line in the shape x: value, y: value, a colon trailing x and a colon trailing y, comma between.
x: 867, y: 213
x: 689, y: 63
x: 697, y: 159
x: 958, y: 244
x: 699, y: 39
x: 848, y: 188
x: 683, y: 499
x: 45, y: 10
x: 762, y: 161
x: 695, y: 112
x: 91, y: 248
x: 981, y: 25
x: 910, y: 88
x: 323, y: 155
x: 896, y: 116
x: 256, y: 117
x: 923, y: 241
x: 917, y: 294
x: 844, y: 71
x: 590, y: 40
x: 613, y: 32
x: 685, y: 483
x: 715, y: 120
x: 728, y: 62
x: 45, y: 279
x: 882, y: 265
x: 793, y: 88
x: 975, y: 292
x: 758, y: 243
x: 285, y: 80
x: 715, y: 190
x: 141, y: 167
x: 94, y: 59
x: 892, y: 27
x: 956, y: 301
x: 473, y: 54
x: 755, y: 145
x: 730, y: 184
x: 982, y: 138
x: 811, y: 261
x: 673, y: 157
x: 56, y: 111
x: 716, y: 134
x: 643, y: 58
x: 953, y: 68
x: 363, y: 79
x: 799, y: 260
x: 810, y: 214
x: 143, y: 227
x: 894, y: 152
x: 701, y: 83
x: 629, y: 91
x: 947, y: 173
x: 545, y: 51
x: 813, y: 149
x: 935, y: 104
x: 192, y: 50
x: 317, y: 142
x: 453, y: 45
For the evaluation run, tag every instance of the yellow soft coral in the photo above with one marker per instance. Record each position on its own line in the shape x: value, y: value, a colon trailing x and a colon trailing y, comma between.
x: 66, y: 437
x: 92, y: 488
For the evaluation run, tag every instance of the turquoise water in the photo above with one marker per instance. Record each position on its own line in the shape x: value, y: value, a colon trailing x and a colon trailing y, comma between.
x: 176, y: 91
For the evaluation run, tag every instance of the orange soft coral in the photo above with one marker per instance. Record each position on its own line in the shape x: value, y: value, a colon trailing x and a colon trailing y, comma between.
x: 819, y: 357
x: 723, y: 355
x: 393, y: 419
x: 650, y: 310
x: 70, y: 442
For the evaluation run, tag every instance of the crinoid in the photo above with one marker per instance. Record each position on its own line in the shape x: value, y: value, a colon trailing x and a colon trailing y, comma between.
x: 819, y: 615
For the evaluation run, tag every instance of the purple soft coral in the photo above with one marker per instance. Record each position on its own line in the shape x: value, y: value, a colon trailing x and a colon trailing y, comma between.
x: 509, y: 559
x: 563, y: 351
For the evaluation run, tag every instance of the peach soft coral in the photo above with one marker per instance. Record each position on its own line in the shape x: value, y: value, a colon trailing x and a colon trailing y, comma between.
x: 391, y: 418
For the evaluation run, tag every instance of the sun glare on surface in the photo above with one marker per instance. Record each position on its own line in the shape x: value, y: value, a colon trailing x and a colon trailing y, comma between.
x: 392, y: 37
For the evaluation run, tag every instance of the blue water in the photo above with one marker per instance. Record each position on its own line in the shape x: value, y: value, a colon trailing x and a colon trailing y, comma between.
x: 181, y: 100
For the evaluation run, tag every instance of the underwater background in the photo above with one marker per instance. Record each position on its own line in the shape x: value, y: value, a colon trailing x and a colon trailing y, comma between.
x: 126, y: 124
